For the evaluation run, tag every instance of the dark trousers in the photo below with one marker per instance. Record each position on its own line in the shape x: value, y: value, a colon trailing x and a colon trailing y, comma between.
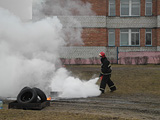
x: 107, y: 80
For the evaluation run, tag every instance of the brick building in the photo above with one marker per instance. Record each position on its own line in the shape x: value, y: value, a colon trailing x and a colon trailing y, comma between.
x: 127, y: 30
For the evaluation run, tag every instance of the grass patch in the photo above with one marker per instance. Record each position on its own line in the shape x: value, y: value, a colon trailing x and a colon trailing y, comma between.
x: 138, y: 79
x: 129, y: 79
x: 50, y: 115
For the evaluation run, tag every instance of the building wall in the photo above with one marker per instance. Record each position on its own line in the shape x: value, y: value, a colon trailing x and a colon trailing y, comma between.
x: 157, y: 6
x: 99, y: 6
x: 117, y: 37
x: 154, y: 37
x: 95, y: 34
x: 142, y: 8
x: 158, y: 36
x: 95, y: 28
x: 117, y: 7
x: 154, y: 7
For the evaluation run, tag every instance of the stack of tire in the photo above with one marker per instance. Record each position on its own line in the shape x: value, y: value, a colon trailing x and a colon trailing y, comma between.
x: 31, y: 95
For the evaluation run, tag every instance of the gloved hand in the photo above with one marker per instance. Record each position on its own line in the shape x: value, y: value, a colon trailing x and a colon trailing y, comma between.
x: 100, y: 74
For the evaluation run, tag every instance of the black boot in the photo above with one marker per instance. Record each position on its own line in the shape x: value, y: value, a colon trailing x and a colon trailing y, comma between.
x: 113, y: 88
x: 102, y: 91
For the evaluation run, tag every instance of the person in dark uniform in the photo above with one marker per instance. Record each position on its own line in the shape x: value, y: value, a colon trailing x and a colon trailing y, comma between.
x: 105, y: 74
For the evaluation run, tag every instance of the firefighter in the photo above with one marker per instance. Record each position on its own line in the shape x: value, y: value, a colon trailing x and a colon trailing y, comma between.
x: 105, y: 74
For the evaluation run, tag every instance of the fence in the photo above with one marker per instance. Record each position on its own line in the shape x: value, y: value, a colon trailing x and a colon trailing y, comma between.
x: 116, y: 55
x: 86, y: 55
x: 138, y: 58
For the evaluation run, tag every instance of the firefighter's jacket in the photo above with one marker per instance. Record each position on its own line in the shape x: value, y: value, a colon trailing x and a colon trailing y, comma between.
x: 105, y: 67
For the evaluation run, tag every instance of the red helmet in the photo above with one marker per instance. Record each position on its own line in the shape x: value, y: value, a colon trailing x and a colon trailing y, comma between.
x: 102, y: 54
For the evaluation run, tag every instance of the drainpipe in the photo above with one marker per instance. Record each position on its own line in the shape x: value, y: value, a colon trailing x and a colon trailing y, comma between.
x: 117, y: 54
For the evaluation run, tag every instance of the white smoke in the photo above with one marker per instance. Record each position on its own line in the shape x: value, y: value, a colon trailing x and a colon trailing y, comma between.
x: 21, y: 8
x: 72, y: 87
x: 65, y: 9
x: 29, y: 57
x: 28, y: 52
x: 61, y: 8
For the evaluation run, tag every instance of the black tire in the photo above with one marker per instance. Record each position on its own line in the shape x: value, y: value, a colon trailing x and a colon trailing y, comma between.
x: 24, y: 89
x: 40, y: 94
x: 27, y: 95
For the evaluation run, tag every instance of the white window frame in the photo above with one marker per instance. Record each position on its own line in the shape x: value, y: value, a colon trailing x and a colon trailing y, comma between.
x: 112, y: 2
x: 129, y: 37
x: 150, y: 32
x: 148, y: 2
x: 111, y: 31
x: 131, y: 2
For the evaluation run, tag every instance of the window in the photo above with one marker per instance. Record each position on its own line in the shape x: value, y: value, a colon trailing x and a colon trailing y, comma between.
x: 112, y: 11
x: 124, y: 37
x: 130, y: 37
x: 148, y: 37
x: 124, y: 7
x: 148, y: 7
x: 111, y: 37
x: 135, y: 37
x: 130, y: 7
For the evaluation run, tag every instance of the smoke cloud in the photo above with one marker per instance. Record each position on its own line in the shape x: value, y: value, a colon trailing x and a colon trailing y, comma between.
x: 21, y: 8
x: 61, y: 8
x: 70, y: 87
x: 29, y: 56
x: 28, y: 52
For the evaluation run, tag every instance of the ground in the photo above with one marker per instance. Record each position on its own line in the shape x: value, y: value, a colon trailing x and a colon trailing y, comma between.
x: 137, y: 97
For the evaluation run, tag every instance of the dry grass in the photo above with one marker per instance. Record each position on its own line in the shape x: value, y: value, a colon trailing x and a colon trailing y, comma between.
x: 138, y: 79
x: 17, y: 114
x: 129, y: 79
